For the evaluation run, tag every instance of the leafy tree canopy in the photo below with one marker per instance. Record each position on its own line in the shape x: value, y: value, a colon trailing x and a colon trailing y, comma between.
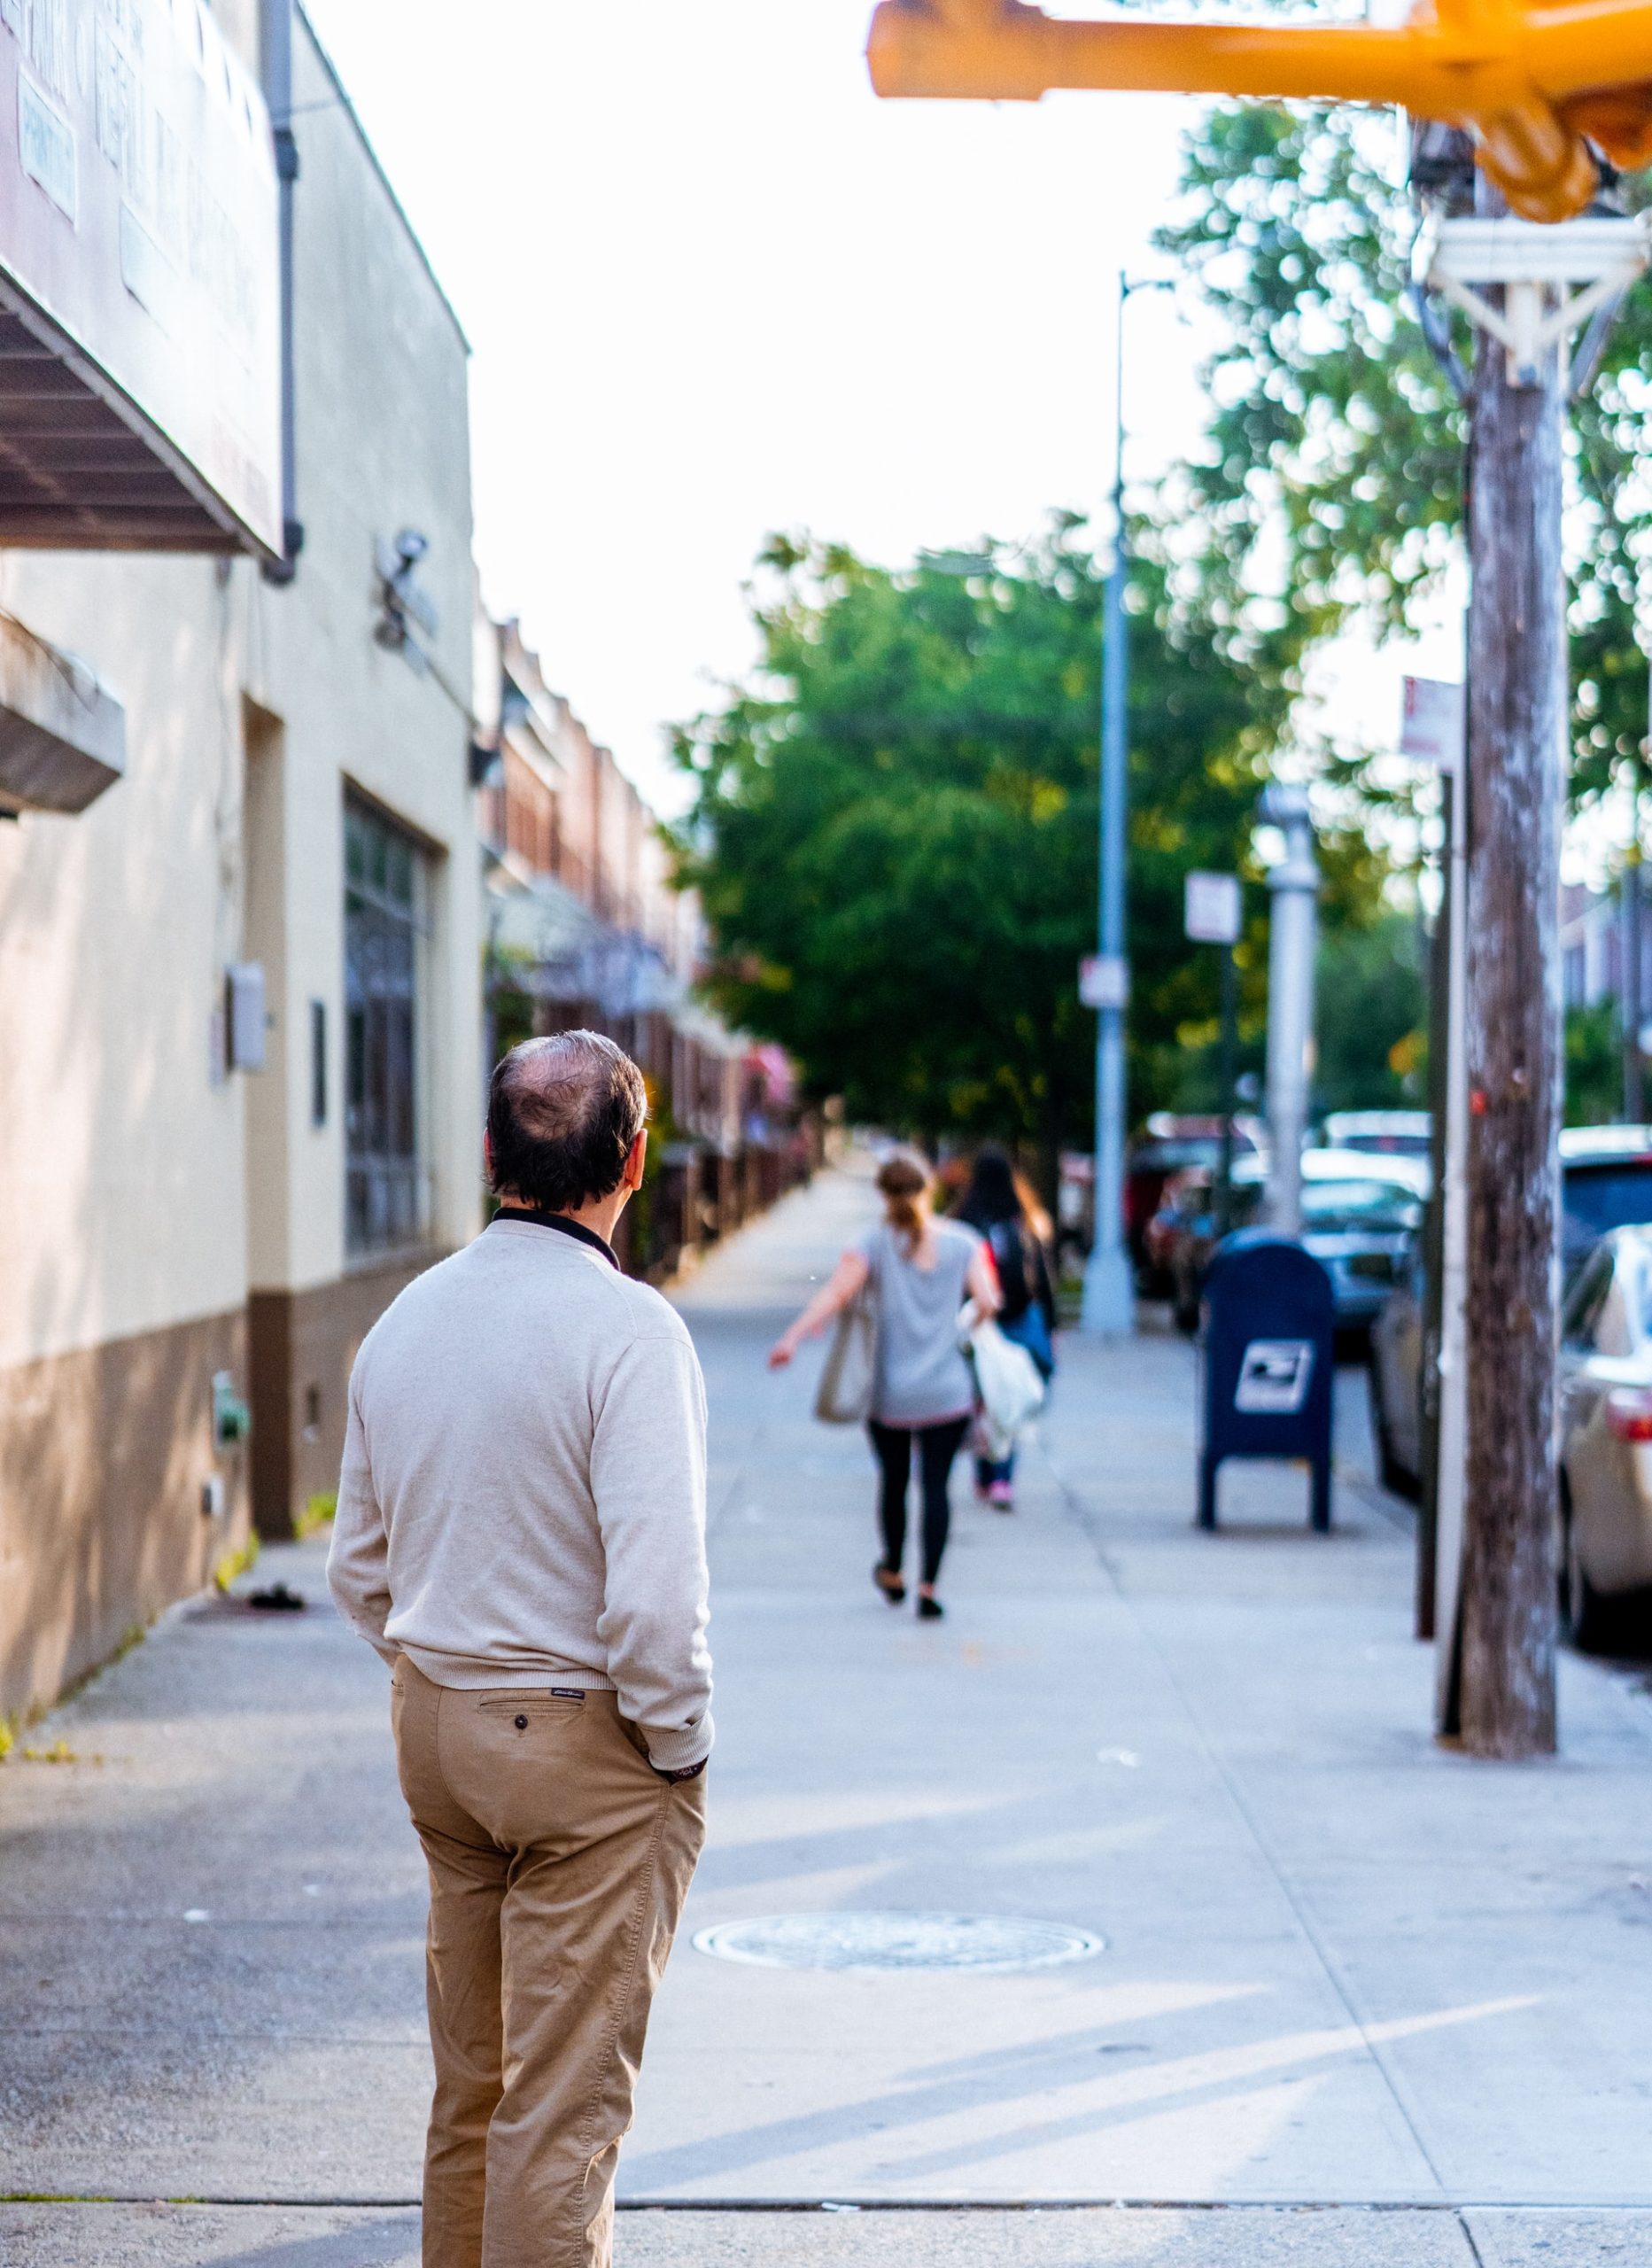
x: 1332, y: 478
x: 1373, y: 1044
x: 894, y: 831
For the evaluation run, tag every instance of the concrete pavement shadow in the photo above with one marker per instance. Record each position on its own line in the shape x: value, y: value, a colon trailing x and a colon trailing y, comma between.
x: 91, y: 2235
x: 1207, y: 2076
x: 1247, y: 2237
x: 803, y: 1853
x: 1146, y: 2090
x: 393, y: 2242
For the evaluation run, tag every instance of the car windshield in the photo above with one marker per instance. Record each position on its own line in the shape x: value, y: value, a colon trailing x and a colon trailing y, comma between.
x: 1346, y: 1205
x: 1616, y: 1196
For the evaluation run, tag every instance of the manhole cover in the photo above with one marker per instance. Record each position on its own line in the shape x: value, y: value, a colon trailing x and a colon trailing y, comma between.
x: 990, y: 1944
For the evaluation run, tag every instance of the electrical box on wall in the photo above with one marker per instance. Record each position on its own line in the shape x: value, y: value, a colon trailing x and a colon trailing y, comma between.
x: 232, y: 1420
x: 245, y: 1015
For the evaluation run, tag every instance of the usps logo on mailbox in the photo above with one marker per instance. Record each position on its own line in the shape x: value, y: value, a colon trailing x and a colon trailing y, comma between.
x: 1273, y: 1377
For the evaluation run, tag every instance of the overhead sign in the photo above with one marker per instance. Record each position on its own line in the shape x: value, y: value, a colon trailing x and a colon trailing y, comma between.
x: 1431, y: 722
x: 1104, y: 981
x: 1211, y: 912
x: 138, y: 251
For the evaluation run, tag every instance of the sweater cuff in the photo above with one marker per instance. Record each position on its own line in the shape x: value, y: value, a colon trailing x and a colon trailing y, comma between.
x: 674, y: 1752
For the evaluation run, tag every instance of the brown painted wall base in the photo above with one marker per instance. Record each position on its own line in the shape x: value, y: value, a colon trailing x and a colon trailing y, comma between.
x: 104, y: 1454
x: 301, y: 1345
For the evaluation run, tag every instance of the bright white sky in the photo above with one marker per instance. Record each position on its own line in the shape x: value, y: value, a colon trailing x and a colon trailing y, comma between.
x: 714, y: 288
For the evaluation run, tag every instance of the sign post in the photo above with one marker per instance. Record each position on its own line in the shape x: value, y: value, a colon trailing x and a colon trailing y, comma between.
x: 1431, y: 732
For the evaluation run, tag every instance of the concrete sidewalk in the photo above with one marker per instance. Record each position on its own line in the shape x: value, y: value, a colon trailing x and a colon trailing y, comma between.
x: 1361, y: 2000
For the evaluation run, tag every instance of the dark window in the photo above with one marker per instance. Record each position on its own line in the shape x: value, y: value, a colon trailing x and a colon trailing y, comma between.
x: 318, y: 1063
x: 384, y: 925
x: 1616, y: 1196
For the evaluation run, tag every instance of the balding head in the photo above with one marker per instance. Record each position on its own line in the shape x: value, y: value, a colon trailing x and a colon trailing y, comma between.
x: 562, y: 1116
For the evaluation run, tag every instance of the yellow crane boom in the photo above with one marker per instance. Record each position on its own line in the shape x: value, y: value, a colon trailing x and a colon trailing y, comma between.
x: 1533, y: 83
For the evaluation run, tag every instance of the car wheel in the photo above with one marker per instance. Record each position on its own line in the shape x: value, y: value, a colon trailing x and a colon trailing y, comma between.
x: 1582, y: 1608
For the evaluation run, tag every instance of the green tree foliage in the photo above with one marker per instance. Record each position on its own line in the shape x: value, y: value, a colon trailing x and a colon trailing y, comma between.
x: 1336, y: 431
x: 894, y: 831
x: 1371, y: 1014
x: 1595, y: 1065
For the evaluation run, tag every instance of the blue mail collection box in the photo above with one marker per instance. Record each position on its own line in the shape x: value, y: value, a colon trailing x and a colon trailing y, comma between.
x: 1269, y: 1358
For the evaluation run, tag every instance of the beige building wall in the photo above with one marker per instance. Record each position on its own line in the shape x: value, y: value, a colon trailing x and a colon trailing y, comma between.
x: 162, y: 1224
x: 120, y: 1192
x: 383, y: 446
x: 122, y: 1286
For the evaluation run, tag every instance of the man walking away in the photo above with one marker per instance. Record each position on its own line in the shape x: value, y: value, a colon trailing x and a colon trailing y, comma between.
x: 521, y: 1534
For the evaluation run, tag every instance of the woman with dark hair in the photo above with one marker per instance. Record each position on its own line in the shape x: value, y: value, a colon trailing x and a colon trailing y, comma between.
x: 919, y: 1273
x: 994, y: 1207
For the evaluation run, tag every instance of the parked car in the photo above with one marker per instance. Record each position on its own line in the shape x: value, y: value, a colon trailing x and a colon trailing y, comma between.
x: 1360, y: 1213
x: 1606, y: 1431
x: 1606, y: 1185
x: 1386, y: 1133
x: 1170, y: 1146
x: 1395, y: 1359
x: 1183, y: 1232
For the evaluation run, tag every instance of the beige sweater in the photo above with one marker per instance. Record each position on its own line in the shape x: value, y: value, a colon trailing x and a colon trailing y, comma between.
x: 522, y: 1498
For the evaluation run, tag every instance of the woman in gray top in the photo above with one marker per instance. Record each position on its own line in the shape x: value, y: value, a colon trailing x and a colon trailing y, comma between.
x: 921, y: 1272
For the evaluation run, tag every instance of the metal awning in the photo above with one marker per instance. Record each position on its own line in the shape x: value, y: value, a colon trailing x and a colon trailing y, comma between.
x: 140, y: 289
x: 76, y: 476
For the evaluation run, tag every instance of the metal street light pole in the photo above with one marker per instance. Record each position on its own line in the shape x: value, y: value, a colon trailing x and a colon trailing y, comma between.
x: 1294, y: 883
x: 1109, y: 1306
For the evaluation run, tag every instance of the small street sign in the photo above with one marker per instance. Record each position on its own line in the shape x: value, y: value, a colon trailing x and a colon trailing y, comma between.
x: 1104, y: 981
x: 1211, y: 909
x: 1431, y: 722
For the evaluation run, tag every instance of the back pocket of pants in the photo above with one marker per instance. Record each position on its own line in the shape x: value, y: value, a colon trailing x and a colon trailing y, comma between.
x: 532, y: 1704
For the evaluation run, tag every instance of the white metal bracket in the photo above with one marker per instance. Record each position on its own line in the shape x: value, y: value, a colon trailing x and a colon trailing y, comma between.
x: 1538, y: 266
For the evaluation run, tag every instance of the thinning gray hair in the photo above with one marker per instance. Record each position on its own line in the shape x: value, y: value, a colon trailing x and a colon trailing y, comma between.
x: 563, y: 1114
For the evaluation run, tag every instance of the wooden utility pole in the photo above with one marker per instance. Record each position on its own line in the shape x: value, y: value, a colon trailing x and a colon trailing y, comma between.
x: 1517, y: 725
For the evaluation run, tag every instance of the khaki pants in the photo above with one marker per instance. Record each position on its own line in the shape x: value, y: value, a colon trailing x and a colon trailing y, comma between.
x: 559, y: 1862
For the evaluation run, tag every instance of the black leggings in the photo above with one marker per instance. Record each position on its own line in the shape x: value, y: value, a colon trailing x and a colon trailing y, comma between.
x: 937, y: 1446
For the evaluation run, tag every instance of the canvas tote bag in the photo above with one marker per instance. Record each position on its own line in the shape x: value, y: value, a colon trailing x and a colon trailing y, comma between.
x: 844, y: 1394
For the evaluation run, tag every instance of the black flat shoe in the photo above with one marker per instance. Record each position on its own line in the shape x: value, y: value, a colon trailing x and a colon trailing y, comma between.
x: 929, y: 1610
x: 890, y: 1584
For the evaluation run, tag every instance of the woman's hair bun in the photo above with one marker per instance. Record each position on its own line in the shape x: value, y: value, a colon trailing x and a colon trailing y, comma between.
x: 901, y: 1181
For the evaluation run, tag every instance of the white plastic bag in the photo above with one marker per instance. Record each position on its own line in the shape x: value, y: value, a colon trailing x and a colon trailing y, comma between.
x: 1007, y: 1380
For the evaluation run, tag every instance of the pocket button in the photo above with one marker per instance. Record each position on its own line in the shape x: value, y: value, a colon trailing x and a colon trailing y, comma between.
x: 522, y: 1724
